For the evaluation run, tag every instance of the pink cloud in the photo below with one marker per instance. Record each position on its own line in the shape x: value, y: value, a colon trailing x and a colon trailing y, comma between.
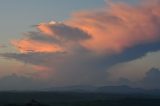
x: 110, y: 30
x: 45, y: 28
x: 28, y: 45
x: 119, y: 26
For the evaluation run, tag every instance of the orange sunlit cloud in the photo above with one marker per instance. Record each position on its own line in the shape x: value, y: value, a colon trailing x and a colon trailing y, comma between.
x: 44, y: 28
x: 119, y: 26
x: 27, y: 45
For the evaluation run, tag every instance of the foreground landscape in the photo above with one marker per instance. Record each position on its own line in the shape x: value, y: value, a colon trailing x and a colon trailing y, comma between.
x: 76, y: 99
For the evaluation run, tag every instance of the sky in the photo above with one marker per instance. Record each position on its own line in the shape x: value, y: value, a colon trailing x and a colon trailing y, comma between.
x: 48, y: 43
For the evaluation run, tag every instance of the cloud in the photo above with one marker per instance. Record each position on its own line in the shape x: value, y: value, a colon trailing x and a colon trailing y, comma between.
x: 81, y: 49
x: 62, y: 31
x: 50, y: 37
x: 2, y: 46
x: 149, y: 81
x: 152, y: 78
x: 119, y: 26
x: 28, y: 45
x: 134, y: 69
x: 132, y: 54
x: 16, y: 82
x: 110, y: 30
x: 64, y: 67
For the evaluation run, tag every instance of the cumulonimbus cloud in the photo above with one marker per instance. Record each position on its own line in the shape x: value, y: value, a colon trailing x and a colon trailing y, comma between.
x: 84, y: 44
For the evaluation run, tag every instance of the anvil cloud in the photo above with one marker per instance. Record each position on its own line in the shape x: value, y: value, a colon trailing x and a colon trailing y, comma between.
x: 119, y: 26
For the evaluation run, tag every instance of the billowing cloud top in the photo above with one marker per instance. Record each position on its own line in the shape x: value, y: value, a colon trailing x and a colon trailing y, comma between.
x: 109, y: 30
x: 119, y: 26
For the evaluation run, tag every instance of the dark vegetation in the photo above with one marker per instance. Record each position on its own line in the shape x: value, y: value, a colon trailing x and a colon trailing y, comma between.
x: 76, y: 99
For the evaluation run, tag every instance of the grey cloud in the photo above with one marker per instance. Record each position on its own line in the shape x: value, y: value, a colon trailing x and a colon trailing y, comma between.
x: 38, y: 36
x: 68, y: 32
x: 16, y: 82
x: 2, y: 46
x: 80, y: 66
x: 152, y: 79
x: 35, y: 58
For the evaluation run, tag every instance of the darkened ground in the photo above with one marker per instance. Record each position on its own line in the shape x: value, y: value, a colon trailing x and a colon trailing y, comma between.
x: 76, y: 99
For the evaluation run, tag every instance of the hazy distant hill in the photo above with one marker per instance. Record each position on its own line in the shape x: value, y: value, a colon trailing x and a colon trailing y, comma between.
x: 74, y: 88
x: 120, y: 89
x: 123, y: 89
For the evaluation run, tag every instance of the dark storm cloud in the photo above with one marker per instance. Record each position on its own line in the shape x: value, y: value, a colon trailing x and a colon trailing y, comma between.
x: 152, y: 79
x: 130, y: 54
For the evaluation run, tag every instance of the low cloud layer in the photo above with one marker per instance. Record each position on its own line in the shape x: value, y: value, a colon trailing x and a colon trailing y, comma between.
x: 81, y: 49
x: 149, y: 81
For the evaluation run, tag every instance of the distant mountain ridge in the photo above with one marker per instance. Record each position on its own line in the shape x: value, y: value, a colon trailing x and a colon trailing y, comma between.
x: 122, y: 89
